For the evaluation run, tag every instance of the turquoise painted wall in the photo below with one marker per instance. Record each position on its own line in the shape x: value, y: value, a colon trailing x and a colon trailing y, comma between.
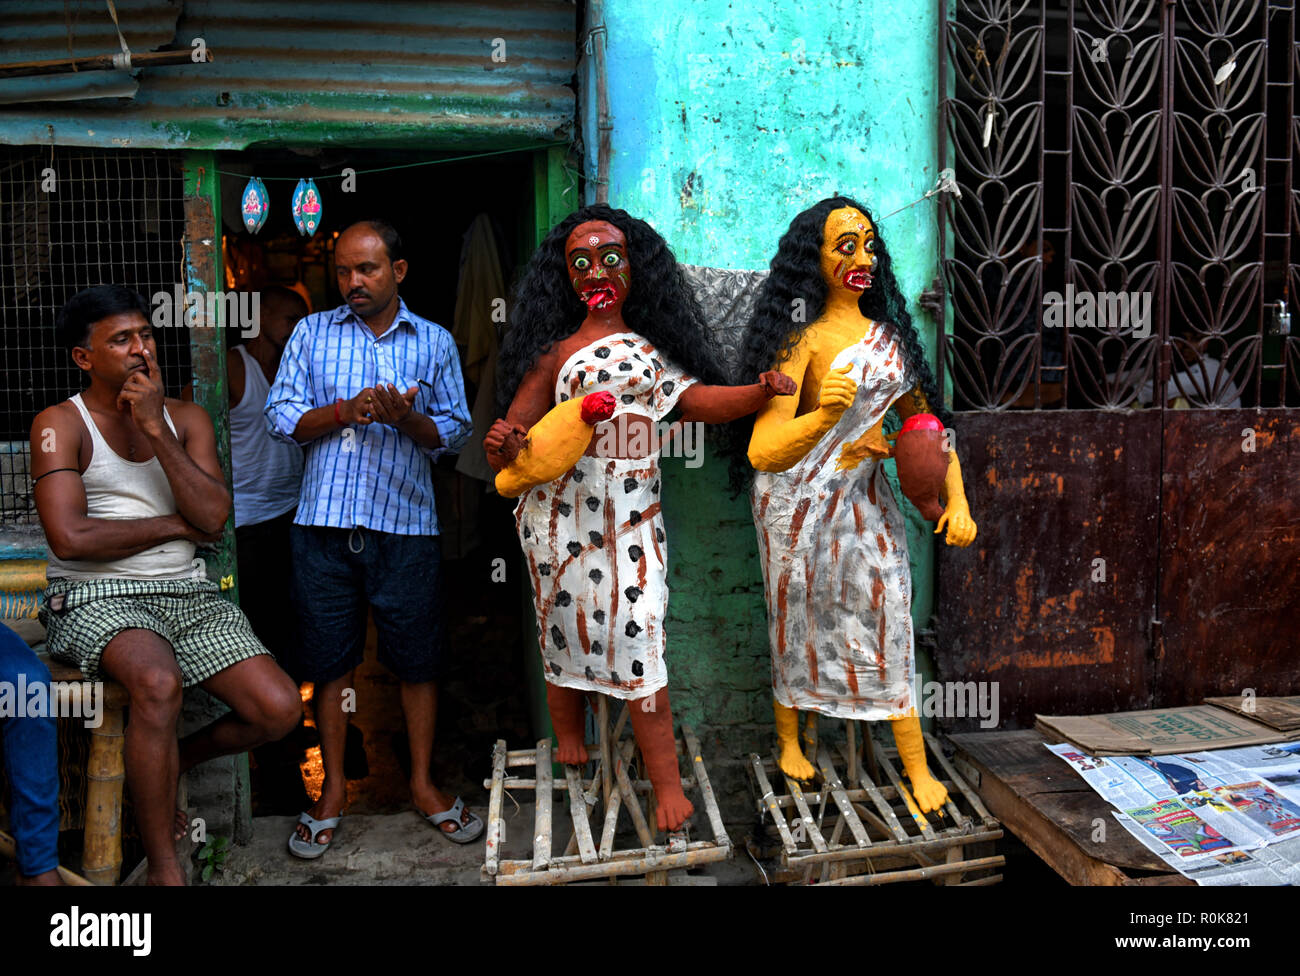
x: 730, y: 118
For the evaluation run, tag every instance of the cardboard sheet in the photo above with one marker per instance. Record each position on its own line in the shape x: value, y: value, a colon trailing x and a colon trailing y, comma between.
x: 1282, y: 714
x: 1160, y: 731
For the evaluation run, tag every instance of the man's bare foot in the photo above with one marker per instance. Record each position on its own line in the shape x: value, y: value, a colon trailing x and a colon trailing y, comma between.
x: 182, y: 824
x: 165, y: 874
x: 430, y: 800
x: 329, y: 805
x: 42, y: 879
x: 672, y: 808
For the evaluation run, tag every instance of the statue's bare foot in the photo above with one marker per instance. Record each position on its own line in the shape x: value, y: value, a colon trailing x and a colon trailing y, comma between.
x: 570, y: 750
x: 793, y: 763
x: 929, y: 793
x: 672, y: 808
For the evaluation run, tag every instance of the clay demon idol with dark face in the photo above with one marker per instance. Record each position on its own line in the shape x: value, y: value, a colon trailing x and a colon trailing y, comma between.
x: 832, y: 538
x: 606, y: 339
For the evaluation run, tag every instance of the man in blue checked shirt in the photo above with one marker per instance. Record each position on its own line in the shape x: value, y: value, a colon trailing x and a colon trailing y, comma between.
x: 372, y: 392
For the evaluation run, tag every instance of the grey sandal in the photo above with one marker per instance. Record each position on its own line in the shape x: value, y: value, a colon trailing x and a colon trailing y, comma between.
x: 465, y: 833
x: 309, y: 849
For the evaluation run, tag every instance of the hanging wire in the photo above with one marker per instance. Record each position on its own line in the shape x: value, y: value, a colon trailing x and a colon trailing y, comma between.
x: 426, y: 162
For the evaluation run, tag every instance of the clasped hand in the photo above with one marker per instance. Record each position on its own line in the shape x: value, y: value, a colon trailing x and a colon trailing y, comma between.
x: 384, y: 403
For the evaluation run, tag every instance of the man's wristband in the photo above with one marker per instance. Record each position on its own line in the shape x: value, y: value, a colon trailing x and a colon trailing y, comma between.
x: 338, y: 419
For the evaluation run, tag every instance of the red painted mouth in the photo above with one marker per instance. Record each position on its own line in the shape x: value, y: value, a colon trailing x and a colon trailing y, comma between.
x: 601, y: 296
x: 857, y: 280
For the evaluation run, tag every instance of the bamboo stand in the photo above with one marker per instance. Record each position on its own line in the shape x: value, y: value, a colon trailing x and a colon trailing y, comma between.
x: 588, y: 857
x: 888, y: 838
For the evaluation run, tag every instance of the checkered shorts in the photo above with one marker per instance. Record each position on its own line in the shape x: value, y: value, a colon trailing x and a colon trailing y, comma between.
x: 207, y: 632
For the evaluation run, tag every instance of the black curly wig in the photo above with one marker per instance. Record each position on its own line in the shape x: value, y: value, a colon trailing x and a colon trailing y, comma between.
x: 660, y: 305
x: 772, y: 335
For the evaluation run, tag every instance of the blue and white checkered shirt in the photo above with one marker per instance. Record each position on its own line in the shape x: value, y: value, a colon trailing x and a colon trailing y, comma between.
x: 371, y: 476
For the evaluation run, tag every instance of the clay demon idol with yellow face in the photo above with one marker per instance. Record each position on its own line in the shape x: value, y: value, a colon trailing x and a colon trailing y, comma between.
x: 606, y: 338
x: 831, y: 536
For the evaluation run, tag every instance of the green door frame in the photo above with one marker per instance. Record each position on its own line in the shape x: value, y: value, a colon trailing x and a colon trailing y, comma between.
x: 555, y: 196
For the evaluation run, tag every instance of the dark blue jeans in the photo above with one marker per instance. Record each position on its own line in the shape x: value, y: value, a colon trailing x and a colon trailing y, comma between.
x: 31, y: 763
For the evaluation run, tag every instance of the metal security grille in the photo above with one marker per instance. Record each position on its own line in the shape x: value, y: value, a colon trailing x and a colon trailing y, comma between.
x: 71, y: 218
x: 1113, y: 151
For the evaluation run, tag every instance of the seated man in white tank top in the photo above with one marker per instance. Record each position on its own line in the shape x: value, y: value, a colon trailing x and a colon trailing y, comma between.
x: 126, y: 482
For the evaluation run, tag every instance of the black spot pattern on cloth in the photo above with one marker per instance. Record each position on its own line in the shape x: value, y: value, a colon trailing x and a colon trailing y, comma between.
x: 563, y: 598
x: 632, y: 628
x: 565, y: 509
x: 638, y: 668
x: 582, y: 375
x: 625, y: 366
x: 596, y: 648
x: 645, y: 373
x: 544, y: 569
x: 659, y: 533
x: 528, y: 533
x: 635, y: 553
x: 574, y: 548
x: 596, y: 576
x: 655, y: 488
x: 656, y: 363
x: 629, y: 398
x: 599, y: 616
x: 590, y: 676
x: 629, y: 342
x: 577, y: 475
x: 633, y: 518
x: 613, y: 676
x: 603, y: 352
x: 555, y: 668
x: 557, y: 635
x: 563, y: 397
x: 669, y: 386
x: 603, y: 376
x: 629, y: 485
x: 596, y: 538
x: 593, y: 503
x: 632, y: 592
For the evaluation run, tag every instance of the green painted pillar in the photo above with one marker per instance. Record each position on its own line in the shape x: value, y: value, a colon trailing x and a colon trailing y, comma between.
x: 219, y: 789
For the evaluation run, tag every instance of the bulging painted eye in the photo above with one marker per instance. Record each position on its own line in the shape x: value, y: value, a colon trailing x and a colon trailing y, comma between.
x: 871, y: 243
x: 848, y: 247
x: 581, y: 263
x: 611, y: 259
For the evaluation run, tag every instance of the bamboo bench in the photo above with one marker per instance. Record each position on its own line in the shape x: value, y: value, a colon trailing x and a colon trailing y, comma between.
x: 101, y: 860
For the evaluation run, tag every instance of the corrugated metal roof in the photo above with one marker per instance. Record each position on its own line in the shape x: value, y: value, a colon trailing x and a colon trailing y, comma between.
x: 388, y: 72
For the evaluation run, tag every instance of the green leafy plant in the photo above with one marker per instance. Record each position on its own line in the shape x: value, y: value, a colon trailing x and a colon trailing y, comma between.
x: 212, y: 856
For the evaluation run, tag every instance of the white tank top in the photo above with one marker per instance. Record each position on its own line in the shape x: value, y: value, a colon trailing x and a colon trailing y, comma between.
x: 266, y: 472
x: 120, y: 489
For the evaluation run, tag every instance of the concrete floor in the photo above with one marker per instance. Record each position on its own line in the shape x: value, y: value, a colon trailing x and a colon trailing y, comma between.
x: 401, y: 849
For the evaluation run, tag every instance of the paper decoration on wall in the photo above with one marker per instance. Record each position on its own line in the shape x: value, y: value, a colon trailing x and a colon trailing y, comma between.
x: 255, y: 205
x: 306, y: 207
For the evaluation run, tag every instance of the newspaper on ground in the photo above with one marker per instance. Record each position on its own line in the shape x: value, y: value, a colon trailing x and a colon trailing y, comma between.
x: 1231, y: 816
